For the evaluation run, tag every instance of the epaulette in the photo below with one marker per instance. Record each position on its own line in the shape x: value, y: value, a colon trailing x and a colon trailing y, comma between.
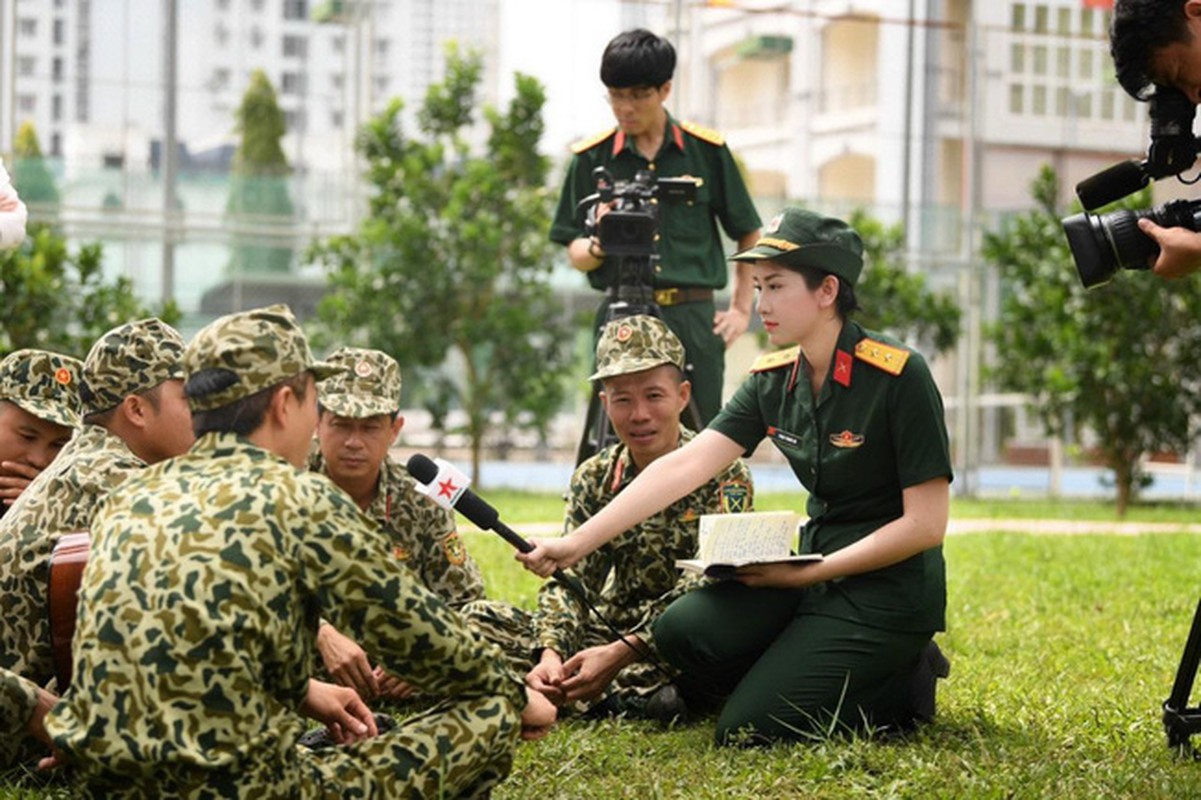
x: 592, y: 141
x: 776, y: 358
x: 882, y: 356
x: 704, y: 134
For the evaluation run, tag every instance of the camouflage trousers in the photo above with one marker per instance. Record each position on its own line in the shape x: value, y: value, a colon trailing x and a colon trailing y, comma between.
x: 513, y: 629
x: 458, y: 748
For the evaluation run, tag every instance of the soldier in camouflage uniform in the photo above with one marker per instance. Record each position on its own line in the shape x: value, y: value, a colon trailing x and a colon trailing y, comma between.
x: 39, y: 410
x: 632, y: 579
x: 358, y: 421
x: 199, y: 610
x: 134, y: 413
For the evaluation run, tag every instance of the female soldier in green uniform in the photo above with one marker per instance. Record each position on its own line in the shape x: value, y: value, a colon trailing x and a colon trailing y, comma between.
x: 861, y: 423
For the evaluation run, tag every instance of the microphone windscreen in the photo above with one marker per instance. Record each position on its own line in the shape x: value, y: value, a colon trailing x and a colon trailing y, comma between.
x: 422, y: 468
x: 477, y: 510
x: 1111, y: 184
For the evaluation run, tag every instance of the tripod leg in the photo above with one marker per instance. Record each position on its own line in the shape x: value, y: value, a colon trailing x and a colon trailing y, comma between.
x: 1178, y: 722
x: 596, y: 428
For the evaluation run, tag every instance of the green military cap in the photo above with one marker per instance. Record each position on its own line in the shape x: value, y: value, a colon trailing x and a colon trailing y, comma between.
x: 129, y: 359
x: 44, y: 384
x: 369, y: 386
x: 799, y: 238
x: 251, y: 350
x: 636, y: 343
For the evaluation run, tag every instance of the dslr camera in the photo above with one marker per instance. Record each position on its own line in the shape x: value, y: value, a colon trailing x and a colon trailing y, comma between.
x: 1101, y: 244
x: 631, y: 226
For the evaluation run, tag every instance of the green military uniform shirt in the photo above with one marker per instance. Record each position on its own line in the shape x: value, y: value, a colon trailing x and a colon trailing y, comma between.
x: 422, y: 533
x: 869, y: 435
x: 62, y: 499
x: 689, y: 247
x: 198, y: 618
x: 632, y: 578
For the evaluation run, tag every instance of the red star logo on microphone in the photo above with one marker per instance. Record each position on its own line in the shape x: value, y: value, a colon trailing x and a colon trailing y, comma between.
x: 447, y: 488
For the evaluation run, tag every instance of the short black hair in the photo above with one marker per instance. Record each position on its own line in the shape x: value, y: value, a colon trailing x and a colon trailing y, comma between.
x: 637, y: 58
x: 241, y: 417
x: 1139, y: 29
x: 153, y: 396
x: 846, y: 302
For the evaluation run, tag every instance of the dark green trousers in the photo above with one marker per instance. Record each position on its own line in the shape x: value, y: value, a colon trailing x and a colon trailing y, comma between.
x: 784, y: 675
x: 704, y: 351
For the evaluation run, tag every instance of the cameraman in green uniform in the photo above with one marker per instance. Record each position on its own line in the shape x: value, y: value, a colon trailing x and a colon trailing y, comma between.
x: 861, y: 423
x: 637, y: 67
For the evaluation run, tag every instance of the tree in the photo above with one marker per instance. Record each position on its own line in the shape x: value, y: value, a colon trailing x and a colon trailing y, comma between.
x: 452, y: 259
x: 896, y: 300
x: 55, y: 299
x: 1122, y: 360
x: 30, y: 174
x: 258, y: 192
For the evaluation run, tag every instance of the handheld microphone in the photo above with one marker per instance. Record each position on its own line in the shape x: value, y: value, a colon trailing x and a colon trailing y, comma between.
x: 475, y: 508
x: 452, y: 492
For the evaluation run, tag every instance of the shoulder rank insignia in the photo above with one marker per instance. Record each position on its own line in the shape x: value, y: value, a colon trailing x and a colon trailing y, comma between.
x: 734, y: 497
x: 704, y: 134
x: 592, y: 141
x: 776, y: 358
x: 882, y: 356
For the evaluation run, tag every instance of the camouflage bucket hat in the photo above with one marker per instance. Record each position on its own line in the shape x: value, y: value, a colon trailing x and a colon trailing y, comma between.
x: 131, y: 358
x: 255, y: 349
x: 44, y: 384
x: 634, y: 344
x: 799, y: 238
x: 370, y: 385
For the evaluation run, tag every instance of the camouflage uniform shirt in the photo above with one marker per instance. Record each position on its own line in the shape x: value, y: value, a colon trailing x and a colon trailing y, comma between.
x: 198, y: 617
x: 62, y: 499
x: 632, y: 578
x: 422, y: 534
x: 18, y: 698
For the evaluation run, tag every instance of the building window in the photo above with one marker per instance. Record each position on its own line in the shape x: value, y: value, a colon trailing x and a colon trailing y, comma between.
x: 56, y: 144
x: 296, y: 47
x: 257, y: 5
x: 27, y: 103
x: 294, y: 121
x: 60, y: 31
x: 337, y: 81
x: 219, y: 79
x: 292, y: 83
x: 338, y: 44
x: 56, y: 69
x: 296, y: 9
x: 256, y: 37
x: 336, y: 119
x: 27, y: 27
x: 56, y: 108
x: 221, y: 34
x: 26, y: 65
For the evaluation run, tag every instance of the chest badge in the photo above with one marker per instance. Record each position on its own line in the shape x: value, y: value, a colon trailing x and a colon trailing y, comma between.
x: 453, y: 547
x: 846, y: 439
x: 734, y: 497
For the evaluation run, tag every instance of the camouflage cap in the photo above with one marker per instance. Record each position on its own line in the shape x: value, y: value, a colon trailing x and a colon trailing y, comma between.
x: 44, y: 384
x: 634, y: 344
x: 255, y: 349
x: 370, y: 385
x: 131, y: 358
x: 799, y: 238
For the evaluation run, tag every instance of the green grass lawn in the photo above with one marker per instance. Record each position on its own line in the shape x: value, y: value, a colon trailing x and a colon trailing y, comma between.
x: 1063, y: 648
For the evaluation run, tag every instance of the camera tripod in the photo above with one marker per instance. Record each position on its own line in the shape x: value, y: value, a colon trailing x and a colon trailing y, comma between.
x: 633, y: 295
x: 1179, y: 721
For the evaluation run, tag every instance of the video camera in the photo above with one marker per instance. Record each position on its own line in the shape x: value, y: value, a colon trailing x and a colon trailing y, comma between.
x: 631, y: 226
x: 1101, y: 244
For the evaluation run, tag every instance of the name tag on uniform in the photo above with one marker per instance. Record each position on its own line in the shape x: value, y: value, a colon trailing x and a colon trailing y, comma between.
x: 777, y: 435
